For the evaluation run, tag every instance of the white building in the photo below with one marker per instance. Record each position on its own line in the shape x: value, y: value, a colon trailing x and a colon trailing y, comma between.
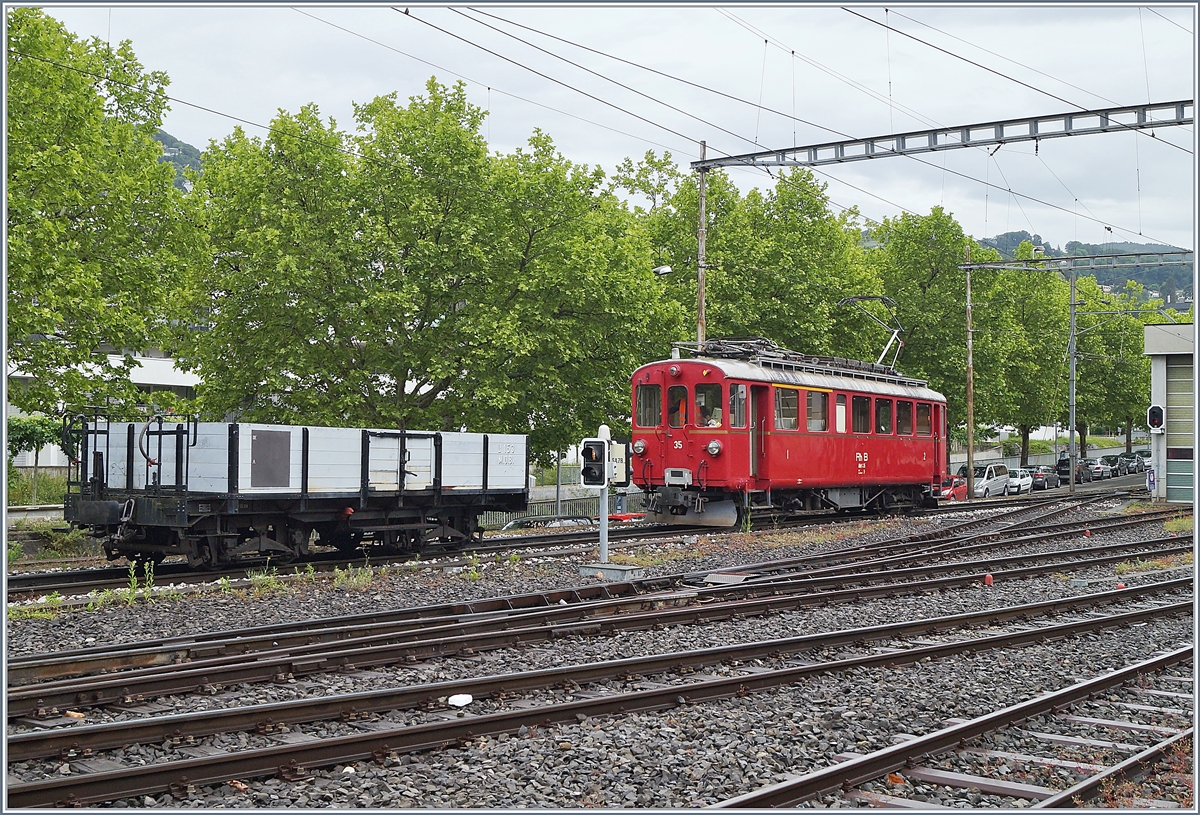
x: 1171, y: 349
x: 152, y: 373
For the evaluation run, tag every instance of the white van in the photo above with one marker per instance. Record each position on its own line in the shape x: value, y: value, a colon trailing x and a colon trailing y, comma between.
x: 990, y: 479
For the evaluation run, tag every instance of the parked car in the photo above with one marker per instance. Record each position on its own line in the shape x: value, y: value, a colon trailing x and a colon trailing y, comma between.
x: 1082, y: 473
x: 1098, y: 469
x: 1118, y: 465
x: 1144, y: 455
x: 953, y: 488
x: 1045, y: 477
x: 1133, y: 462
x: 1019, y: 481
x: 990, y: 479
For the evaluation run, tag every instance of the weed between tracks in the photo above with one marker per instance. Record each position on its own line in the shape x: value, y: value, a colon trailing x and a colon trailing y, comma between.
x: 1140, y: 565
x: 659, y: 554
x: 1176, y: 765
x: 1180, y: 524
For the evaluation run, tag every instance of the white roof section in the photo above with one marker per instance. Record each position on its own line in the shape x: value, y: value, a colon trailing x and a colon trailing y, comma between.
x: 1170, y: 338
x: 157, y: 371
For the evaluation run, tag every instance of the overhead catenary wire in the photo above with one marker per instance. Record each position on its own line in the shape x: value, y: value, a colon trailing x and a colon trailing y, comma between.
x: 1010, y: 78
x: 273, y: 130
x: 477, y: 82
x: 815, y: 64
x: 921, y: 118
x: 602, y: 76
x: 547, y: 77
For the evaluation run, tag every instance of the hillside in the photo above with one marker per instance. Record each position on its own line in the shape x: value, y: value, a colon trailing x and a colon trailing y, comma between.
x: 181, y: 154
x: 1175, y: 279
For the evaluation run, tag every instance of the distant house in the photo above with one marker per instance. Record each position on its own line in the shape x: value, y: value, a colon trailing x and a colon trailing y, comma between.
x: 154, y: 372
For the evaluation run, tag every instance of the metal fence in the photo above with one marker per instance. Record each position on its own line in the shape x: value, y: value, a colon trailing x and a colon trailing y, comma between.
x: 578, y: 507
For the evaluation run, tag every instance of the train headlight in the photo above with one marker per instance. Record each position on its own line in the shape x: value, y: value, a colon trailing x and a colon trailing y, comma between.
x: 639, y: 446
x: 714, y: 448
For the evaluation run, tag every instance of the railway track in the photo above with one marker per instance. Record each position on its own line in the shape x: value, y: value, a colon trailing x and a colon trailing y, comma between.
x: 922, y: 758
x: 292, y: 757
x: 78, y: 582
x: 61, y: 759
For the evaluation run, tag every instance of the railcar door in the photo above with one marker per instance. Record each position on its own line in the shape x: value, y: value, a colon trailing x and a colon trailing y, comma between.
x: 759, y: 410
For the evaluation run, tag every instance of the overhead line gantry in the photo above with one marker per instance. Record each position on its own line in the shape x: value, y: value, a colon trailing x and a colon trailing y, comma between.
x: 1008, y: 131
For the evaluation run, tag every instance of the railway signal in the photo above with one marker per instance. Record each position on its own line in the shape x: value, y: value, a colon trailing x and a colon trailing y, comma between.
x: 594, y: 469
x: 1154, y: 418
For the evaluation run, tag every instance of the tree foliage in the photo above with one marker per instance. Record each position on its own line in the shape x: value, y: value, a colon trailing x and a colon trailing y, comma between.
x: 98, y: 237
x: 404, y: 277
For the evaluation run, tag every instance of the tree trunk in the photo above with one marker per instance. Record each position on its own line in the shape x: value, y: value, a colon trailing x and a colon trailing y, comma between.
x: 33, y: 498
x: 1024, y: 444
x: 1129, y: 435
x: 1081, y: 430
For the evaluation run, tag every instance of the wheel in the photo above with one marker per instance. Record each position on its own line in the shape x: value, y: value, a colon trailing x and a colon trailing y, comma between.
x: 986, y: 492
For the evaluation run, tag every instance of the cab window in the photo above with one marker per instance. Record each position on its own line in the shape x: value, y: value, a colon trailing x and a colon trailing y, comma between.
x: 904, y: 418
x: 737, y: 405
x: 787, y: 409
x: 818, y: 410
x: 924, y: 420
x: 860, y: 409
x: 649, y: 405
x: 678, y: 411
x: 708, y: 405
x: 883, y: 416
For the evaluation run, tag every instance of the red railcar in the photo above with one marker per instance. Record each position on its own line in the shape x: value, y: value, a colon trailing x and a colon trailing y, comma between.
x: 746, y: 424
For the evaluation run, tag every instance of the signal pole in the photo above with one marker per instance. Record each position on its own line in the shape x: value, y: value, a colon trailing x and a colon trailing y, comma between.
x: 700, y: 235
x: 1071, y: 388
x: 970, y: 392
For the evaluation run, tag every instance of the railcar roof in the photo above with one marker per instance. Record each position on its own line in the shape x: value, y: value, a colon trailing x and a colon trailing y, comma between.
x: 815, y: 375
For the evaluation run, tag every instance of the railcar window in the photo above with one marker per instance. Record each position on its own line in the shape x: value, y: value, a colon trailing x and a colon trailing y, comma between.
x: 840, y: 413
x: 708, y: 405
x: 860, y: 407
x: 904, y: 418
x: 737, y: 405
x: 677, y: 399
x: 649, y: 405
x: 883, y: 416
x: 818, y: 410
x: 924, y: 420
x: 787, y: 409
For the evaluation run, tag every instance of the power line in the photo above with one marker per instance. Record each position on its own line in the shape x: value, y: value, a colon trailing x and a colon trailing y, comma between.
x: 270, y: 129
x: 606, y: 78
x: 688, y: 82
x: 1169, y: 20
x: 477, y: 82
x: 997, y: 73
x: 547, y: 77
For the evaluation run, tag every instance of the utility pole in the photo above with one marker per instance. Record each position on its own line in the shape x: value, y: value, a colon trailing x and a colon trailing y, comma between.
x: 1071, y: 387
x: 700, y: 235
x: 970, y: 392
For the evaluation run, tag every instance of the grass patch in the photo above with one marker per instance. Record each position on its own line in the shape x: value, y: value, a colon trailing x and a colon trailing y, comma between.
x: 354, y: 579
x: 1178, y: 525
x: 266, y: 581
x: 50, y: 489
x: 1157, y: 564
x: 57, y: 540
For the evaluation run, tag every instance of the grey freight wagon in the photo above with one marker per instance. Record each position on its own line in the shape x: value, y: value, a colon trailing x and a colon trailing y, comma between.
x: 218, y: 491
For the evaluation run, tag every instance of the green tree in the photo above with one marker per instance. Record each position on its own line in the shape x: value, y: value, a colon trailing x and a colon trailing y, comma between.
x: 31, y: 433
x: 918, y: 261
x: 98, y: 238
x: 405, y: 278
x: 1038, y: 302
x: 777, y: 262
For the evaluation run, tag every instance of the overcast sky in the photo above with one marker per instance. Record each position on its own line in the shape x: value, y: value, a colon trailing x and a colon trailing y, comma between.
x: 839, y: 73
